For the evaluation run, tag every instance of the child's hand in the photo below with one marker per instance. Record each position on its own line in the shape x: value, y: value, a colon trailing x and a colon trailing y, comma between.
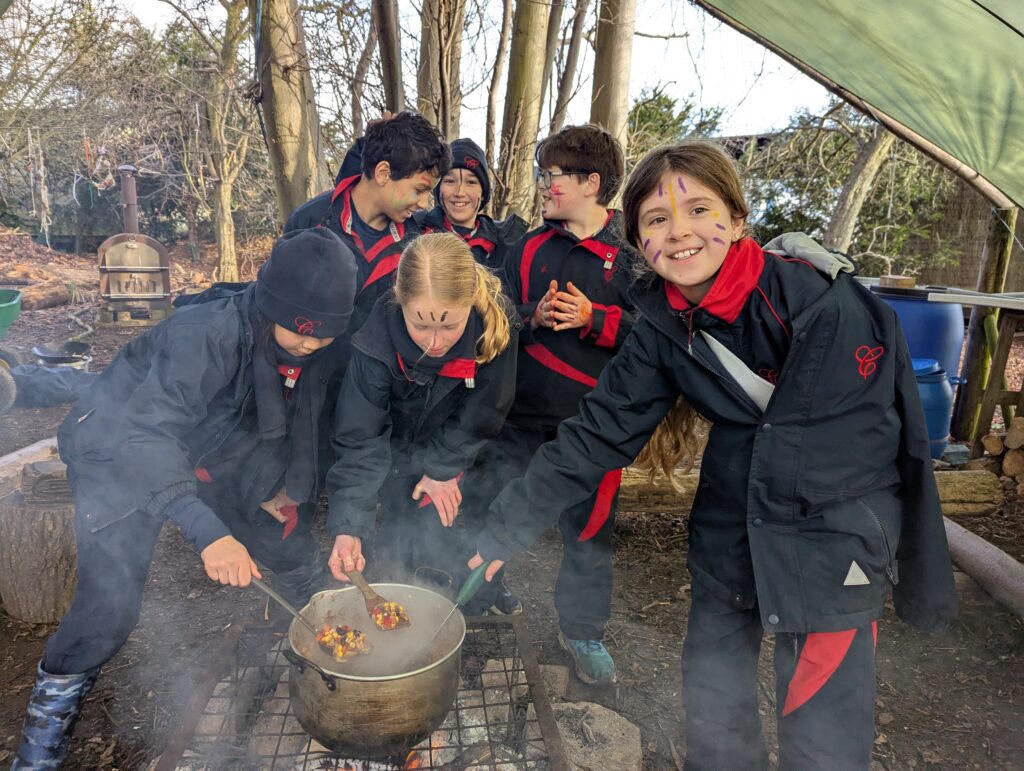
x: 572, y: 309
x: 226, y: 560
x: 543, y: 314
x: 446, y: 497
x: 476, y: 561
x: 346, y: 556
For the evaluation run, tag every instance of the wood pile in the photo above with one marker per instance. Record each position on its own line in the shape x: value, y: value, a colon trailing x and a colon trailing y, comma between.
x: 45, y: 277
x: 1004, y: 454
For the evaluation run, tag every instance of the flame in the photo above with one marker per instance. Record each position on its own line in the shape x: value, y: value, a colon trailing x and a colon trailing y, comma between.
x: 414, y: 760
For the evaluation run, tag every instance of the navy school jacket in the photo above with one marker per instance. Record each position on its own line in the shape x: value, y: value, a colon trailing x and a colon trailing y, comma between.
x: 557, y: 368
x: 333, y: 209
x: 164, y: 407
x: 387, y: 423
x: 835, y: 472
x: 489, y: 240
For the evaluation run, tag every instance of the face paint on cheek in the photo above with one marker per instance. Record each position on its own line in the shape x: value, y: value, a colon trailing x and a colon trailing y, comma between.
x: 646, y: 244
x: 716, y: 239
x: 556, y: 191
x: 654, y: 259
x: 720, y: 226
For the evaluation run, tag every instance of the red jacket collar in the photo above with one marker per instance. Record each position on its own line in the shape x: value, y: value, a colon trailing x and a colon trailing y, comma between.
x: 735, y: 281
x: 592, y: 244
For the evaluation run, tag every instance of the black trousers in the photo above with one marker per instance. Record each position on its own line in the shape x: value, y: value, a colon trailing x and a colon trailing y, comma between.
x: 113, y: 564
x: 583, y: 590
x: 825, y: 691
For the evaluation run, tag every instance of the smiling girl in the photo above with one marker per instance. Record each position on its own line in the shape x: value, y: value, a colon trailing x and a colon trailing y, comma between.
x: 431, y: 378
x: 816, y: 488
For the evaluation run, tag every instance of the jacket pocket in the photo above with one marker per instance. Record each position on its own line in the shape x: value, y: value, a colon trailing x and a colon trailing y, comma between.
x: 847, y: 553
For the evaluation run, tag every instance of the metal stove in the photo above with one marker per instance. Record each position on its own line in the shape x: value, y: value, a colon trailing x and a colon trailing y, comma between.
x: 240, y: 716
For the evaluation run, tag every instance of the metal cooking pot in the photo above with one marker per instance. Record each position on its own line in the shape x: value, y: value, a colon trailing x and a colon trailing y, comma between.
x: 388, y: 700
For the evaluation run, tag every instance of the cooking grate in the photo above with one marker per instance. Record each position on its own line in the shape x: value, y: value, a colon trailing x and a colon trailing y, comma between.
x: 240, y: 716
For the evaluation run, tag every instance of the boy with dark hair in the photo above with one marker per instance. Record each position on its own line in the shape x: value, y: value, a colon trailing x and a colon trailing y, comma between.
x: 403, y: 158
x: 569, y: 279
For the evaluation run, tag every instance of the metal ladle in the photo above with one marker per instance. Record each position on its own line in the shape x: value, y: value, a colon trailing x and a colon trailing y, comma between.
x: 284, y: 604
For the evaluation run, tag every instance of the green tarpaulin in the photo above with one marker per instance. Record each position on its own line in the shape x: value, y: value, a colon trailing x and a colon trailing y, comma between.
x: 951, y: 71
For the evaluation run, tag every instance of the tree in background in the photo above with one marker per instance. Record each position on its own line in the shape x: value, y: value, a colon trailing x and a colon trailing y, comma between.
x: 288, y: 102
x: 657, y: 119
x: 613, y: 53
x: 799, y: 178
x: 438, y: 76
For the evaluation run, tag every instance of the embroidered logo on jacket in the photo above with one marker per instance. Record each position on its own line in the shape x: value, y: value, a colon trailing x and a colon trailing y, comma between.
x: 769, y: 374
x: 866, y: 357
x: 306, y: 326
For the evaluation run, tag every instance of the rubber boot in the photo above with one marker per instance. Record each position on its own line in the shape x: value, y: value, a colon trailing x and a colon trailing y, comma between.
x: 53, y: 708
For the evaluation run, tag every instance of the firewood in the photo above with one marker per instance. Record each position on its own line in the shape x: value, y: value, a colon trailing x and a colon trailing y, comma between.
x: 1013, y: 463
x: 1015, y: 434
x: 38, y: 561
x: 993, y: 444
x: 45, y: 481
x: 985, y: 463
x: 45, y: 295
x: 969, y: 493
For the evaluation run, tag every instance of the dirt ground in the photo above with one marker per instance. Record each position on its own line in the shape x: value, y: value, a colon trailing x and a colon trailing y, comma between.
x: 953, y: 701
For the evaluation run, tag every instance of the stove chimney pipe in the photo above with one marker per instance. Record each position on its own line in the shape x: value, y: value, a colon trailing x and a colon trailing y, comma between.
x: 129, y: 198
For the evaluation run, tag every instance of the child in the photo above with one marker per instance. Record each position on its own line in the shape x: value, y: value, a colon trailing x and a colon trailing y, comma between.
x: 815, y: 480
x: 226, y: 392
x: 402, y: 159
x: 569, y: 279
x: 462, y: 196
x: 431, y: 379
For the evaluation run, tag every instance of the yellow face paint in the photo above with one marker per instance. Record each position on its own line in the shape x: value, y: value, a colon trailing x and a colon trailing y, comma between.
x: 672, y: 200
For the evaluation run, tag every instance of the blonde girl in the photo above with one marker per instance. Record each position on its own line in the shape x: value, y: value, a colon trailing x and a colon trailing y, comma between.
x: 431, y: 379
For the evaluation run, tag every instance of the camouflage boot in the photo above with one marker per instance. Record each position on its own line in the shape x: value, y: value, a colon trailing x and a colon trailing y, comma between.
x: 54, y: 706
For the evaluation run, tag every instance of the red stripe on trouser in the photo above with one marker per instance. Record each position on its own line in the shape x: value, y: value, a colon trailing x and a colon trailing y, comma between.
x: 602, y: 504
x: 821, y: 656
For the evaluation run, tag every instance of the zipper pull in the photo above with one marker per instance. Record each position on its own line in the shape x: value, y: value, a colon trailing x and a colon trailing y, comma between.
x: 470, y: 382
x: 893, y: 572
x: 689, y: 326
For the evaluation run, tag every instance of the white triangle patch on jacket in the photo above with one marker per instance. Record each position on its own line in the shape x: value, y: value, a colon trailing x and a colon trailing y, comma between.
x: 855, y: 576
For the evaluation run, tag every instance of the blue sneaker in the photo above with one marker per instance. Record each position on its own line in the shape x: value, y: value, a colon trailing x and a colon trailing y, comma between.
x: 594, y: 664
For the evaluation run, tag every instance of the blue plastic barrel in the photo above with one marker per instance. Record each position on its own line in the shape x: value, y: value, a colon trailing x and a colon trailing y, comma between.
x: 937, y: 400
x: 933, y: 330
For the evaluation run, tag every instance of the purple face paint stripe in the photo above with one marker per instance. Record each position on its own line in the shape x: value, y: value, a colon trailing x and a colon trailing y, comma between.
x: 657, y: 254
x: 681, y: 185
x: 719, y: 240
x: 661, y: 190
x: 720, y: 226
x: 647, y: 243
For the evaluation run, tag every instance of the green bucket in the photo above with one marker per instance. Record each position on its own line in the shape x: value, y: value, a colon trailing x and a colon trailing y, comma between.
x: 10, y: 307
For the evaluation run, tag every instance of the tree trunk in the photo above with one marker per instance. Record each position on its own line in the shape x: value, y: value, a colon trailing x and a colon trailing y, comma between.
x: 38, y: 561
x: 224, y: 225
x: 855, y: 190
x: 572, y: 59
x: 554, y: 33
x: 522, y: 107
x: 288, y: 104
x: 358, y: 83
x: 496, y: 76
x: 609, y: 103
x: 995, y: 262
x: 385, y: 21
x: 438, y: 96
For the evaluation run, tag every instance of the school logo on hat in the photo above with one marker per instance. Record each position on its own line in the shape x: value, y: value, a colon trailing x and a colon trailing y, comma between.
x: 305, y: 326
x: 471, y: 163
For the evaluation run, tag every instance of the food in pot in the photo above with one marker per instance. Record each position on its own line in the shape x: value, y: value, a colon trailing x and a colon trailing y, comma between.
x: 388, y: 615
x: 342, y: 641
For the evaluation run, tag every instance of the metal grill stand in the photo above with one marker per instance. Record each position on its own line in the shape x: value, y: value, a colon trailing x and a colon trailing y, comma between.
x: 241, y: 715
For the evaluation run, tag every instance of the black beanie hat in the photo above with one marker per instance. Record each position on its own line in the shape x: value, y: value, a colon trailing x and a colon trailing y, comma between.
x: 309, y: 283
x: 466, y: 154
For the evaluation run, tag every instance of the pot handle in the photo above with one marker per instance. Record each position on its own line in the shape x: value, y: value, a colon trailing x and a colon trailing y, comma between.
x: 300, y: 663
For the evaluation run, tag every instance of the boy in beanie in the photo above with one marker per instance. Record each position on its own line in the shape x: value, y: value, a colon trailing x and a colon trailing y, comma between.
x: 208, y: 420
x: 402, y: 159
x: 462, y: 196
x: 569, y: 279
